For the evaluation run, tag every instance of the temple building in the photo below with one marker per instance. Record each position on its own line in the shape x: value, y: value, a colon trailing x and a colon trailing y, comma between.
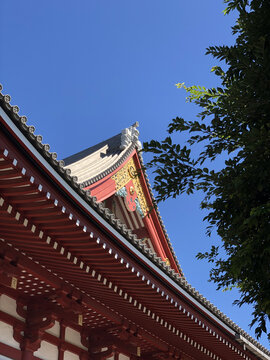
x: 87, y: 270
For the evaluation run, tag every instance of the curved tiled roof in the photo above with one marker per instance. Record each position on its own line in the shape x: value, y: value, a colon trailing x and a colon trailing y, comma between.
x: 51, y: 158
x: 94, y: 163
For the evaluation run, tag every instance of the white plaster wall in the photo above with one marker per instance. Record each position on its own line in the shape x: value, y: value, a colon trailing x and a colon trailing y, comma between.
x: 6, y: 335
x: 8, y: 306
x: 70, y: 356
x: 47, y: 351
x: 55, y: 330
x: 74, y: 337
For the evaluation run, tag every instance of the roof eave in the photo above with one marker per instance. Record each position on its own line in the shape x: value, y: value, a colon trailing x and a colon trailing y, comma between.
x: 49, y: 160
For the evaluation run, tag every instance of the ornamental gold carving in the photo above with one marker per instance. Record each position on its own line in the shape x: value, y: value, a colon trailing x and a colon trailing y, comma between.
x: 124, y: 175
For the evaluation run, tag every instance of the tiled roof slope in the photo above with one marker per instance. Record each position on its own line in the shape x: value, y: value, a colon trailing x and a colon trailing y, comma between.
x: 92, y: 164
x: 51, y: 158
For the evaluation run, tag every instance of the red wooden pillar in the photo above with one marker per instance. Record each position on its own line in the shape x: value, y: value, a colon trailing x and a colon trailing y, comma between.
x: 27, y: 354
x: 39, y: 317
x: 61, y: 351
x: 28, y: 347
x: 61, y: 348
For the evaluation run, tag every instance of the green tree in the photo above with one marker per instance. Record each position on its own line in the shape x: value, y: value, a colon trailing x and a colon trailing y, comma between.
x: 234, y: 121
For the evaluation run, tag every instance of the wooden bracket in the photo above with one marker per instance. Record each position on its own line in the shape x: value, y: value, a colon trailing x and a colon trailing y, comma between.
x: 99, y: 339
x: 68, y: 301
x: 70, y: 304
x: 39, y: 317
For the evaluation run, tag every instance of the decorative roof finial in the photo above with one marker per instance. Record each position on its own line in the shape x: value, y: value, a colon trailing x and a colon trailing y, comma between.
x: 130, y: 135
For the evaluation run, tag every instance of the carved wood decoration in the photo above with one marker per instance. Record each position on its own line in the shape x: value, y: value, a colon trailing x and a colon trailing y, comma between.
x: 128, y: 174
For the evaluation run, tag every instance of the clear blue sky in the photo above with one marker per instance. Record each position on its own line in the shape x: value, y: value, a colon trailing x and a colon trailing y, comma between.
x: 81, y: 71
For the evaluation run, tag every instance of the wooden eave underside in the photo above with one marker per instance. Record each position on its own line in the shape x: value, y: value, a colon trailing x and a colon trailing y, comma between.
x: 38, y: 221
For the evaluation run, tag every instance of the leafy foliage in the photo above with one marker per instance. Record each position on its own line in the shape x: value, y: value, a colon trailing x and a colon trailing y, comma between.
x: 235, y: 122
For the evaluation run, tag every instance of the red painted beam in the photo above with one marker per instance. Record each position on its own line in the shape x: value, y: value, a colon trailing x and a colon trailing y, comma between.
x: 10, y: 352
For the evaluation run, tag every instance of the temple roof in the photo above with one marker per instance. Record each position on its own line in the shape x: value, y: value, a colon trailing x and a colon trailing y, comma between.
x: 97, y: 161
x: 58, y: 166
x: 94, y: 163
